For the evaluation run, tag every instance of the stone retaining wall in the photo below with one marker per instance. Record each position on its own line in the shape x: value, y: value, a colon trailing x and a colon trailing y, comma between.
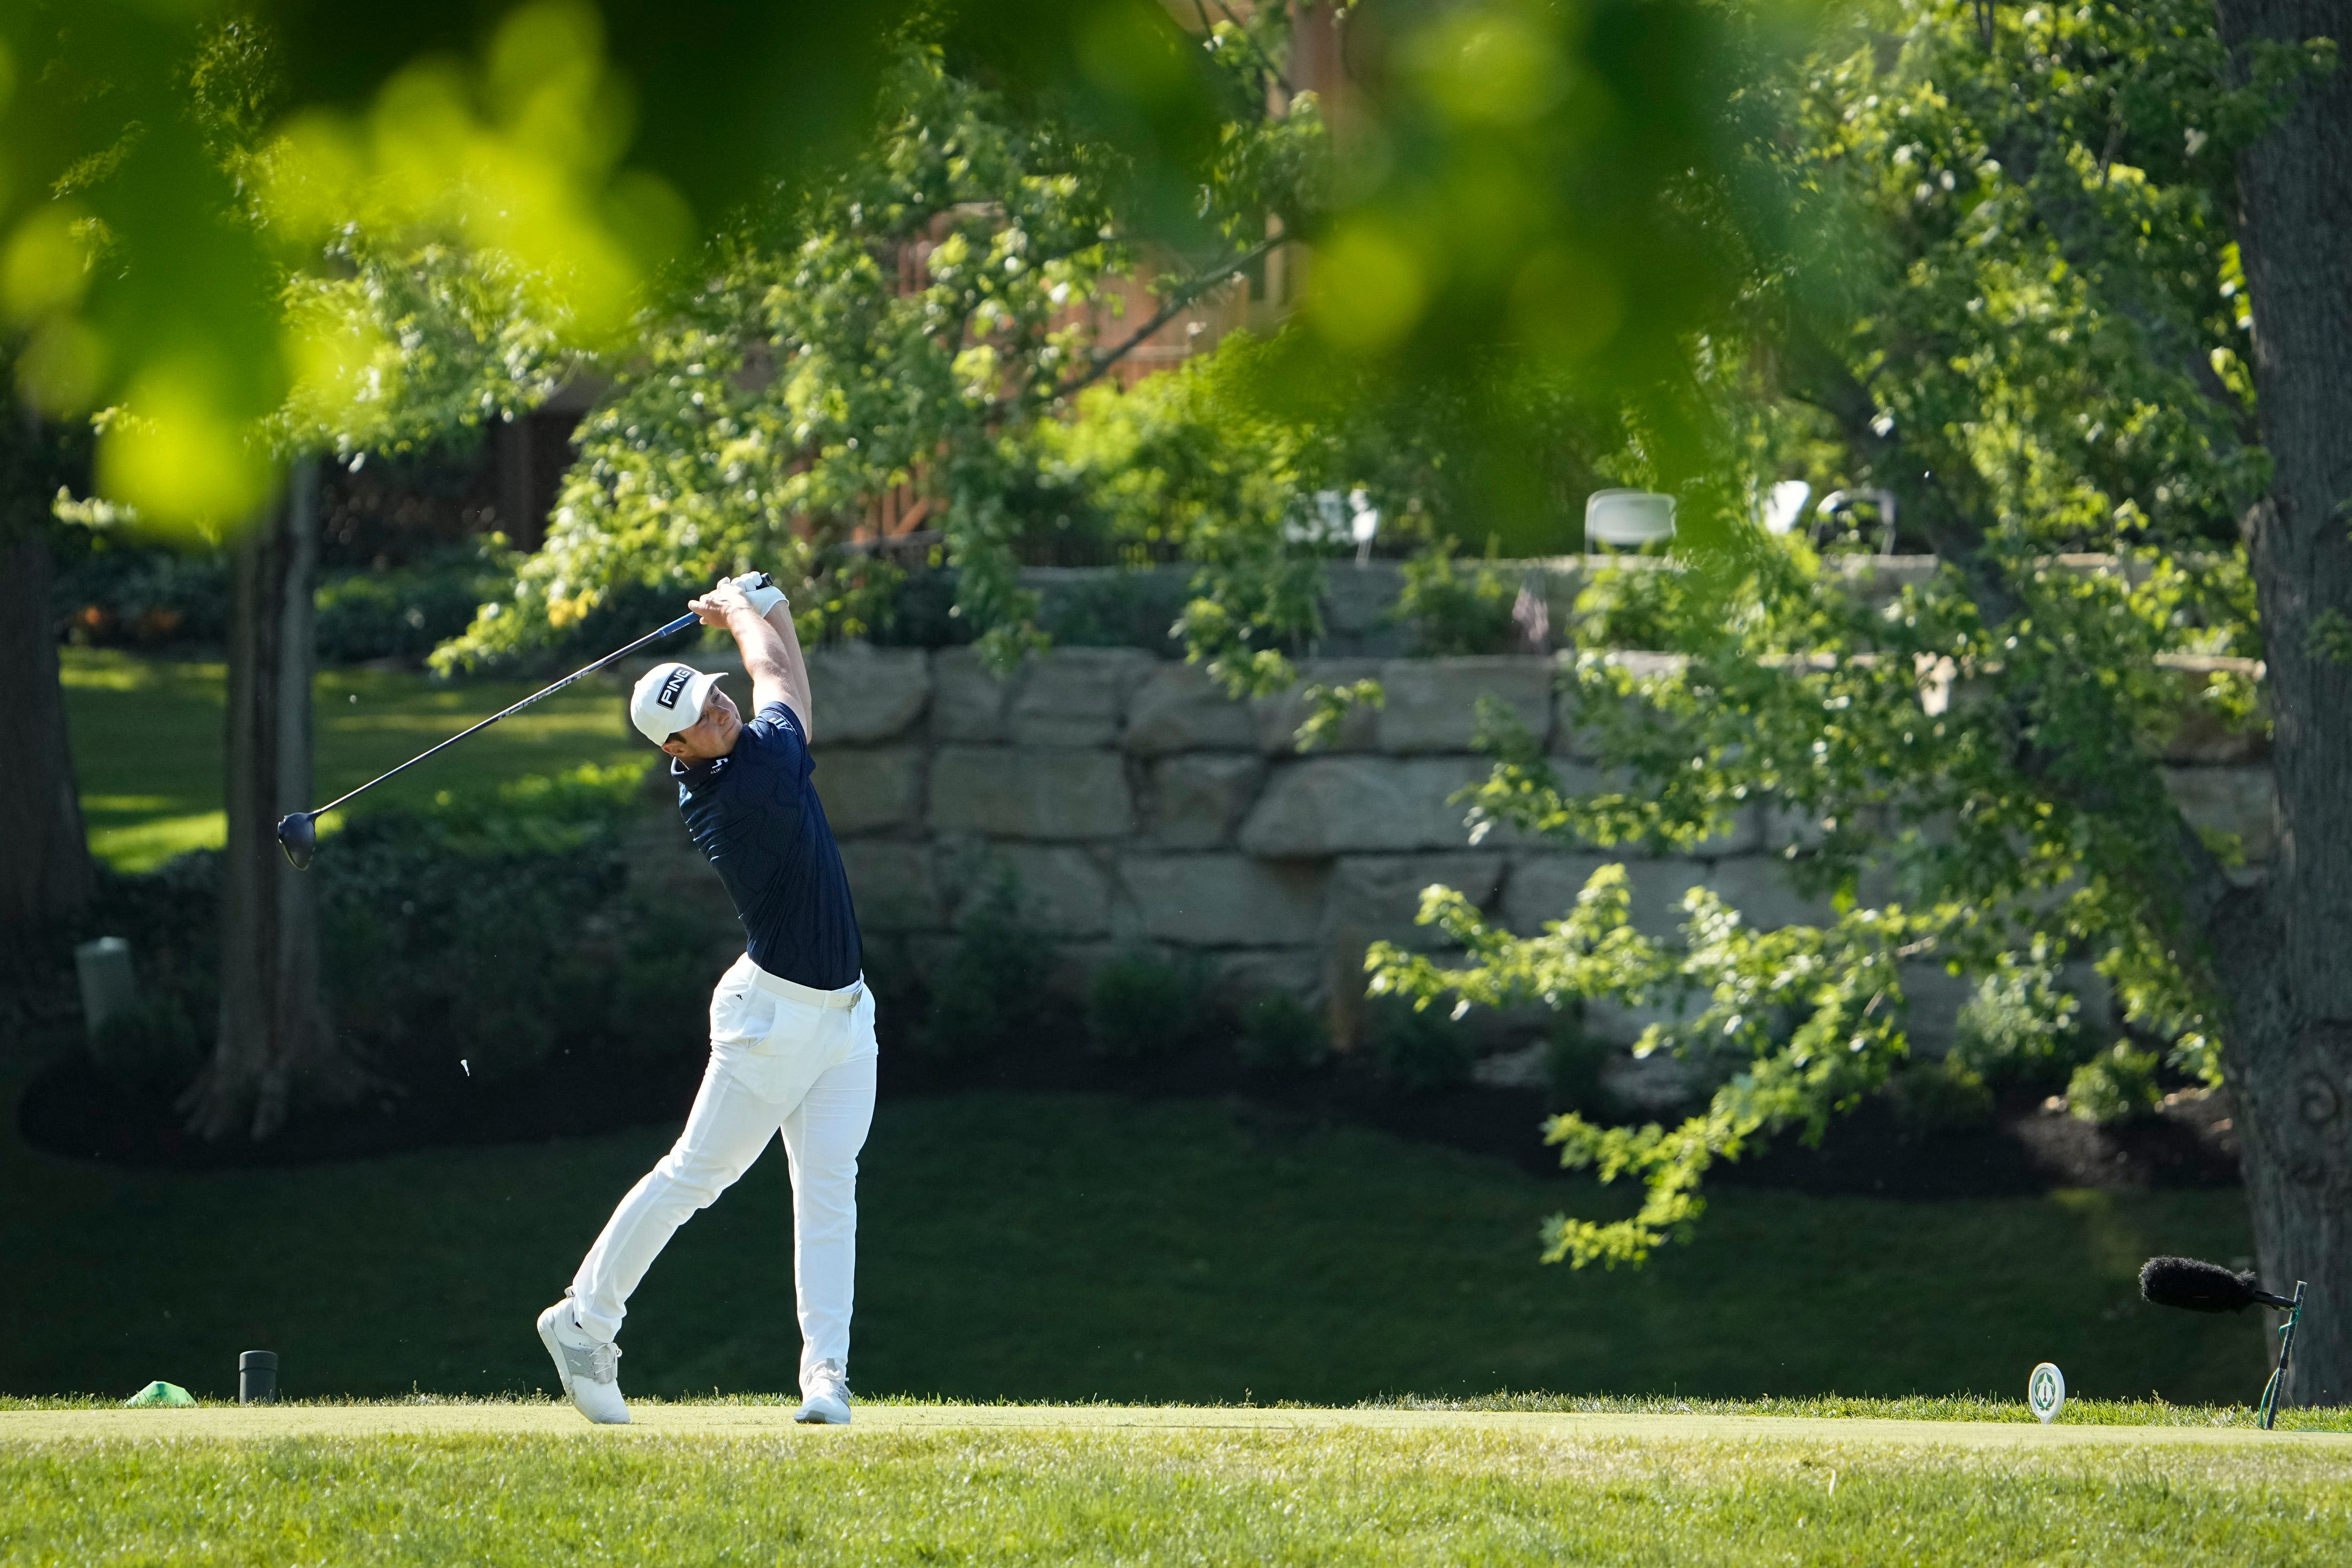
x: 1117, y: 607
x: 1131, y: 804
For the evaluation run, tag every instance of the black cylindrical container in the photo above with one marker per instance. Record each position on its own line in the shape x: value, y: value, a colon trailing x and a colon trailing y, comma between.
x: 257, y: 1377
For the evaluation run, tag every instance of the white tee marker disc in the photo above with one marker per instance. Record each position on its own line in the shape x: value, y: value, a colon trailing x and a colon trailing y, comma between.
x: 2045, y: 1391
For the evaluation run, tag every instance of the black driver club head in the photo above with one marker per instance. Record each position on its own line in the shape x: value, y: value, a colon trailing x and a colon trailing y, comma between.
x: 297, y: 835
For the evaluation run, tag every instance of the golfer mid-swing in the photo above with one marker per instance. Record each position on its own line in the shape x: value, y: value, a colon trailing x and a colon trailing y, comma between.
x: 792, y: 1024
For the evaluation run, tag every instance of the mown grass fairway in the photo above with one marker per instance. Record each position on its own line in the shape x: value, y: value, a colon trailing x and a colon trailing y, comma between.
x: 147, y: 742
x: 711, y: 1484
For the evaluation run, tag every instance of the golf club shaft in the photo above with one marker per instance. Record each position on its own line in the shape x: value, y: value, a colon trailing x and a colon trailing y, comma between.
x: 678, y: 625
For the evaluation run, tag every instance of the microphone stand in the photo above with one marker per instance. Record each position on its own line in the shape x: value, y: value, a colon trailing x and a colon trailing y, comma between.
x: 2286, y: 1348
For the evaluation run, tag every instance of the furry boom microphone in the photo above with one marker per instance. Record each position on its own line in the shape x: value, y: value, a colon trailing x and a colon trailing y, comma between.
x: 2209, y: 1287
x: 2202, y: 1287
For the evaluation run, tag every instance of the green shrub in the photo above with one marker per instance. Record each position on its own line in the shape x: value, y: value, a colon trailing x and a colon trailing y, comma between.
x: 1140, y: 1007
x: 1418, y: 1050
x: 142, y: 596
x: 498, y: 929
x: 1939, y: 1097
x: 516, y: 640
x: 1454, y: 612
x: 1281, y: 1034
x: 1630, y: 608
x: 170, y: 917
x: 155, y: 1047
x: 2117, y: 1086
x: 2020, y: 1031
x: 407, y: 612
x: 922, y: 612
x: 1122, y: 609
x: 152, y: 597
x: 1573, y: 1059
x: 986, y: 993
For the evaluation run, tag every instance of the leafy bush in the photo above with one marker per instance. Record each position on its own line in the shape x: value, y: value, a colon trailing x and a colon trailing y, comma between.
x: 497, y: 928
x: 1573, y: 1059
x: 156, y: 1047
x: 987, y: 992
x: 407, y: 612
x: 1420, y: 1050
x: 1280, y: 1034
x: 1140, y: 1007
x: 1453, y: 612
x: 1939, y: 1097
x: 152, y: 598
x: 1115, y: 609
x: 119, y: 595
x: 513, y: 635
x: 1633, y: 607
x: 2020, y: 1031
x: 922, y: 612
x: 168, y: 917
x: 2117, y: 1086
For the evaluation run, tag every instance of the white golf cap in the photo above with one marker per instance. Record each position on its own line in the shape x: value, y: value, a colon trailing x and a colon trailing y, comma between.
x: 669, y: 698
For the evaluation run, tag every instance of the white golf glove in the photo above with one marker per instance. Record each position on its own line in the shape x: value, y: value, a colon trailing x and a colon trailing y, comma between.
x: 764, y: 594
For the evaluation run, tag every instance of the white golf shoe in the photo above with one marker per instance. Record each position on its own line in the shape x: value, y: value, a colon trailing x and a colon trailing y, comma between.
x: 590, y: 1369
x: 824, y: 1395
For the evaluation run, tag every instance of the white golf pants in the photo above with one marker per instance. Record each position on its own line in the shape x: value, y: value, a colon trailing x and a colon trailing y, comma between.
x: 783, y: 1058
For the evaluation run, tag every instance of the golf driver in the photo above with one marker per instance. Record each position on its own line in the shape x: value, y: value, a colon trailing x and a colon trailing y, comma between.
x: 298, y: 833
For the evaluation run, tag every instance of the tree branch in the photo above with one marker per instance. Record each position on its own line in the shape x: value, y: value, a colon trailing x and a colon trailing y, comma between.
x: 2067, y: 224
x: 1280, y: 78
x: 1101, y: 362
x: 1819, y: 376
x: 2211, y: 905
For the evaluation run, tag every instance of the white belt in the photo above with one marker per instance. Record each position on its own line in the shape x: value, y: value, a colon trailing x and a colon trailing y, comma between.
x: 808, y: 995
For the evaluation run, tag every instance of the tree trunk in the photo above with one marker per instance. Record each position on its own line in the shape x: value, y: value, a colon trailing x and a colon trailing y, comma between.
x: 45, y: 872
x: 275, y: 1042
x: 2289, y: 1039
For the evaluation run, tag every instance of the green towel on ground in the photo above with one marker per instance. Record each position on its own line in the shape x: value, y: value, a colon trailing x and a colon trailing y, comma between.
x: 162, y: 1394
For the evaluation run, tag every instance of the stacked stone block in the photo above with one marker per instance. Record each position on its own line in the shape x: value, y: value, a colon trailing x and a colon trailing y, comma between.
x: 1126, y: 802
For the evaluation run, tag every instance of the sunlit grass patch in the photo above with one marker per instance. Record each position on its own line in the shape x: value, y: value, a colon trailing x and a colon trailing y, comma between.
x: 149, y: 750
x: 117, y: 669
x: 1809, y: 1415
x: 144, y: 841
x: 1329, y: 1495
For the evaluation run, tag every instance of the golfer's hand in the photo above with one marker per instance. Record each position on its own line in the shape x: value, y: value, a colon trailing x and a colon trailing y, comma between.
x: 720, y: 603
x: 765, y: 596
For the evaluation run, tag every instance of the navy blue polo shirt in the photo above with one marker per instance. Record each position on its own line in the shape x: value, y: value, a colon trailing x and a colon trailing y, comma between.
x: 755, y: 816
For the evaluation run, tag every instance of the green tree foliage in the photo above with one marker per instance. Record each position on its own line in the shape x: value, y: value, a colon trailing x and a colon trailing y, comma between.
x: 399, y: 328
x: 934, y: 314
x: 909, y: 320
x: 2007, y: 290
x: 1452, y: 610
x: 528, y: 176
x: 580, y: 144
x: 2116, y: 1086
x: 1206, y: 461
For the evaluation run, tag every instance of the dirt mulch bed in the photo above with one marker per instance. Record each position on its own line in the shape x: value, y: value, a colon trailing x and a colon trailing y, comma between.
x: 70, y: 1108
x: 2031, y: 1147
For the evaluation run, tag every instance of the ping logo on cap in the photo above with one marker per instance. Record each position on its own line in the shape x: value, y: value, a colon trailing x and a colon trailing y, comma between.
x: 672, y: 686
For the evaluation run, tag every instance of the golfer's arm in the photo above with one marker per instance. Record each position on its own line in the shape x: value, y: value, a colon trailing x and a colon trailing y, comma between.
x: 771, y: 655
